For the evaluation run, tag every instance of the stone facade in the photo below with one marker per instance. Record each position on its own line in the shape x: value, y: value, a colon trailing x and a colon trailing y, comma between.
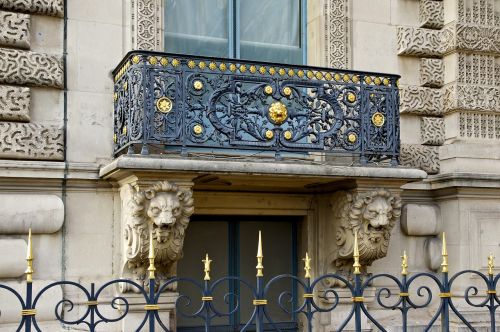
x: 90, y: 211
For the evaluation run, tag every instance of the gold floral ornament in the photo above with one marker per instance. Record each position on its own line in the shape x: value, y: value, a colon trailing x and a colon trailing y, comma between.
x: 351, y: 97
x: 191, y: 64
x: 163, y: 62
x: 153, y: 60
x: 278, y: 113
x: 288, y: 135
x: 198, y: 129
x: 175, y: 62
x: 287, y: 91
x: 136, y: 59
x: 378, y: 119
x: 198, y: 85
x: 352, y: 138
x: 269, y: 134
x: 202, y: 65
x: 164, y: 104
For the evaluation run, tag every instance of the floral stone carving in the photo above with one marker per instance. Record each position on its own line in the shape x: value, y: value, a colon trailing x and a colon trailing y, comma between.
x: 163, y: 209
x: 371, y: 216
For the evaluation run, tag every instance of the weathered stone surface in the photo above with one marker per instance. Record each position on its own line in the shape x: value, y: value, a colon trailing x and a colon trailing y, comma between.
x: 420, y: 156
x: 417, y: 100
x: 15, y: 29
x: 40, y: 7
x: 421, y: 219
x: 14, y: 103
x: 431, y: 14
x: 12, y: 259
x: 431, y: 72
x: 432, y: 130
x: 471, y: 98
x: 31, y: 141
x: 419, y: 42
x: 23, y: 67
x: 44, y: 214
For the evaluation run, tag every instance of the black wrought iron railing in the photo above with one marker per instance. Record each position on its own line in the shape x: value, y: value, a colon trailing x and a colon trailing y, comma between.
x: 169, y: 100
x: 442, y: 297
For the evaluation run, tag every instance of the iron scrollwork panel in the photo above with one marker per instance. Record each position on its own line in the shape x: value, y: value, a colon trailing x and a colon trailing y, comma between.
x: 174, y: 100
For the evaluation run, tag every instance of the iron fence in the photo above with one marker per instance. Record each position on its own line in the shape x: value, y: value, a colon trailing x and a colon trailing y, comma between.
x: 312, y: 302
x: 165, y: 100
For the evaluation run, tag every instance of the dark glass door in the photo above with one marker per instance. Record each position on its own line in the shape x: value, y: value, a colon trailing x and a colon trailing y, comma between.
x: 231, y: 243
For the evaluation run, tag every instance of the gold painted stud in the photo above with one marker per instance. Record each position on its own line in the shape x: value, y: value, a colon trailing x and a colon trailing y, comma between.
x: 287, y: 91
x: 319, y: 75
x: 212, y: 66
x: 337, y: 77
x: 378, y: 81
x: 355, y: 78
x: 243, y: 68
x: 346, y: 78
x: 368, y: 80
x: 202, y: 65
x: 272, y: 71
x: 164, y: 62
x: 253, y: 69
x: 175, y: 62
x: 198, y: 129
x: 269, y: 134
x: 232, y: 67
x: 291, y: 72
x: 300, y: 73
x: 136, y: 59
x: 378, y: 119
x: 328, y: 76
x: 191, y: 64
x: 153, y: 60
x: 164, y: 104
x: 282, y: 72
x: 352, y: 138
x: 351, y: 97
x: 198, y: 85
x: 222, y: 66
x: 288, y: 135
x: 385, y: 81
x: 268, y: 90
x: 262, y: 70
x: 310, y: 74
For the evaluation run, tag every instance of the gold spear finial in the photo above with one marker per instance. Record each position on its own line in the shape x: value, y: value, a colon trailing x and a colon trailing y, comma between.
x: 152, y: 255
x: 444, y: 253
x: 404, y: 263
x: 355, y: 255
x: 491, y: 265
x: 260, y: 257
x: 307, y: 265
x: 207, y: 262
x: 29, y: 259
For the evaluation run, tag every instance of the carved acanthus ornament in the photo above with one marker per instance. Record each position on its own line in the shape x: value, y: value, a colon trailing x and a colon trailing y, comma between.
x: 163, y: 209
x: 371, y: 216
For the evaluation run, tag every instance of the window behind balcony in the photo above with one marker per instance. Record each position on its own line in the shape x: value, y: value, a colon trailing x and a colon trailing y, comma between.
x: 264, y: 30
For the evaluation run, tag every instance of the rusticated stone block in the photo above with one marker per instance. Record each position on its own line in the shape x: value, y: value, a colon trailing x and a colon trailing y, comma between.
x: 40, y: 7
x: 14, y: 103
x: 419, y: 42
x: 431, y: 72
x: 417, y: 100
x: 31, y: 141
x: 23, y: 67
x: 432, y: 131
x: 420, y: 156
x: 15, y: 29
x: 431, y: 14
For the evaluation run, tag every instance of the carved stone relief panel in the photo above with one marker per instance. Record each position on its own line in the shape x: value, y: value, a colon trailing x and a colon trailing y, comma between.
x: 477, y: 69
x: 478, y: 38
x: 431, y: 14
x: 23, y: 67
x: 40, y: 7
x: 161, y: 210
x: 431, y: 72
x: 432, y: 131
x: 147, y: 25
x: 417, y: 100
x: 479, y: 12
x: 471, y: 98
x: 14, y: 103
x: 420, y: 156
x: 479, y: 126
x: 337, y: 33
x: 371, y: 216
x: 31, y: 141
x: 15, y: 30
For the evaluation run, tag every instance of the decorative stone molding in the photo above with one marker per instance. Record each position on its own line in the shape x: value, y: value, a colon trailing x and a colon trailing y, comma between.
x: 31, y: 141
x: 479, y: 126
x: 14, y: 103
x: 478, y: 38
x: 15, y: 30
x: 419, y: 42
x: 147, y: 25
x: 337, y: 34
x: 40, y: 7
x: 432, y: 130
x: 477, y: 69
x: 431, y: 14
x: 371, y: 216
x: 417, y: 100
x: 420, y: 156
x: 478, y: 12
x: 23, y: 67
x: 431, y: 72
x: 471, y: 98
x: 163, y: 209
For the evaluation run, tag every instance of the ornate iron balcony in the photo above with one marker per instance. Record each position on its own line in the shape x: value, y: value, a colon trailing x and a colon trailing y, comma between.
x: 169, y: 100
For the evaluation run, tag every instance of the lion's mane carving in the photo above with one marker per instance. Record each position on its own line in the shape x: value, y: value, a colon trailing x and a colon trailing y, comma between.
x: 166, y: 209
x: 372, y: 216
